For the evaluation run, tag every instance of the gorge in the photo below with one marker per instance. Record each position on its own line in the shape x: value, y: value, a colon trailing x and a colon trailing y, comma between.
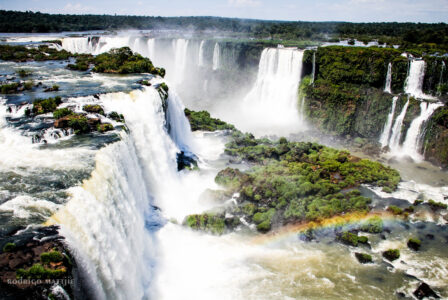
x: 173, y: 203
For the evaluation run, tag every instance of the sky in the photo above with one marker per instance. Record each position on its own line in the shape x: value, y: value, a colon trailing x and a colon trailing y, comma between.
x: 428, y: 11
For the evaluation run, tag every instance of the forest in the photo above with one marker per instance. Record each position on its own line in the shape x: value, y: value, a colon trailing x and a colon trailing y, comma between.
x: 391, y: 33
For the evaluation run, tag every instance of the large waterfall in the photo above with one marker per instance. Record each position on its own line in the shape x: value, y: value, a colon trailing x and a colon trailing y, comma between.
x: 180, y: 47
x: 384, y: 139
x: 271, y: 107
x: 216, y: 57
x: 414, y: 137
x: 113, y: 209
x: 414, y: 81
x: 394, y: 142
x: 201, y: 60
x: 388, y: 86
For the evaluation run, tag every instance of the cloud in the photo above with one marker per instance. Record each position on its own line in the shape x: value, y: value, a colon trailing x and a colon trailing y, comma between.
x: 244, y: 3
x: 77, y: 8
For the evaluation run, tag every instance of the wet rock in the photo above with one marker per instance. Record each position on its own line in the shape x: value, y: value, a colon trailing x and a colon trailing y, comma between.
x: 391, y: 254
x: 430, y: 236
x: 414, y: 244
x: 425, y: 291
x: 93, y: 122
x: 186, y: 161
x: 363, y: 258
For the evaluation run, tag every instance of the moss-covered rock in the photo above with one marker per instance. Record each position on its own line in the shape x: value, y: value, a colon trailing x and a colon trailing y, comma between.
x: 104, y: 127
x: 363, y: 258
x: 93, y: 108
x: 42, y: 106
x: 209, y: 222
x: 372, y: 225
x: 201, y: 120
x: 391, y: 254
x: 414, y: 244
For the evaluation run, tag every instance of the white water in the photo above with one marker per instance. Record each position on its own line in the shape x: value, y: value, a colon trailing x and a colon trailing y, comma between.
x: 271, y: 107
x: 394, y: 141
x: 180, y: 47
x: 414, y: 81
x: 384, y: 139
x: 388, y: 88
x: 216, y: 57
x: 313, y: 73
x: 201, y: 60
x: 414, y: 137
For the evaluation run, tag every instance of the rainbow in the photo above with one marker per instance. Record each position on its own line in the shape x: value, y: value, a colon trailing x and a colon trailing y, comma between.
x: 288, y: 231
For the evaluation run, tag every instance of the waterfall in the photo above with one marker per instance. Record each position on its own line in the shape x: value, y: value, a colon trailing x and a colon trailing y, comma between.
x: 313, y: 73
x: 152, y: 49
x: 388, y: 88
x: 180, y: 47
x: 272, y: 104
x: 201, y: 54
x: 216, y: 57
x: 414, y: 81
x: 384, y: 139
x: 414, y: 136
x: 439, y: 92
x: 394, y: 142
x: 77, y: 45
x: 180, y: 130
x: 110, y: 221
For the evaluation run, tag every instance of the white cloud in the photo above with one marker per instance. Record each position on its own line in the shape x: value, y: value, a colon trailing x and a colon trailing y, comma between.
x: 244, y: 3
x: 77, y: 8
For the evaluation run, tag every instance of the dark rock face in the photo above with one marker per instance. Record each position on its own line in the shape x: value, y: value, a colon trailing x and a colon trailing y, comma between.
x: 30, y: 249
x: 186, y: 160
x: 425, y: 291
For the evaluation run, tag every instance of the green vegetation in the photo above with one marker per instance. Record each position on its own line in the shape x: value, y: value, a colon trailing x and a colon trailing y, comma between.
x: 43, y: 106
x: 407, y: 34
x: 372, y: 225
x: 395, y: 210
x: 22, y: 54
x: 23, y: 73
x: 292, y: 182
x: 37, y: 271
x: 349, y: 238
x: 363, y: 258
x: 51, y: 257
x: 116, y: 117
x: 79, y: 123
x: 9, y: 247
x: 62, y: 112
x: 436, y: 205
x: 213, y: 223
x: 201, y: 120
x: 391, y: 254
x: 104, y: 127
x: 116, y: 61
x: 436, y: 137
x: 414, y: 244
x: 15, y: 87
x: 96, y: 109
x: 51, y: 267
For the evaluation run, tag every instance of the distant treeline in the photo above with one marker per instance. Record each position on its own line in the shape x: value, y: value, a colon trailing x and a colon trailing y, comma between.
x: 399, y: 33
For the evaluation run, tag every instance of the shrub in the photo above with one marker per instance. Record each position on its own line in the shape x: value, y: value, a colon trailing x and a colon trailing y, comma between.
x: 37, y: 271
x: 116, y: 117
x: 395, y: 210
x: 42, y: 106
x: 436, y: 205
x: 9, y: 247
x: 372, y: 225
x: 52, y: 256
x: 62, y: 112
x: 79, y: 124
x: 104, y: 127
x: 349, y: 238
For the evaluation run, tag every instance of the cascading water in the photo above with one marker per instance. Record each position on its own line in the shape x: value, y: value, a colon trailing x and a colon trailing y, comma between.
x: 439, y: 92
x: 180, y: 47
x: 152, y: 50
x: 384, y: 139
x: 201, y: 54
x: 271, y: 107
x: 313, y: 73
x: 394, y: 142
x: 112, y: 210
x: 388, y: 86
x: 414, y: 81
x: 216, y: 57
x: 413, y: 142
